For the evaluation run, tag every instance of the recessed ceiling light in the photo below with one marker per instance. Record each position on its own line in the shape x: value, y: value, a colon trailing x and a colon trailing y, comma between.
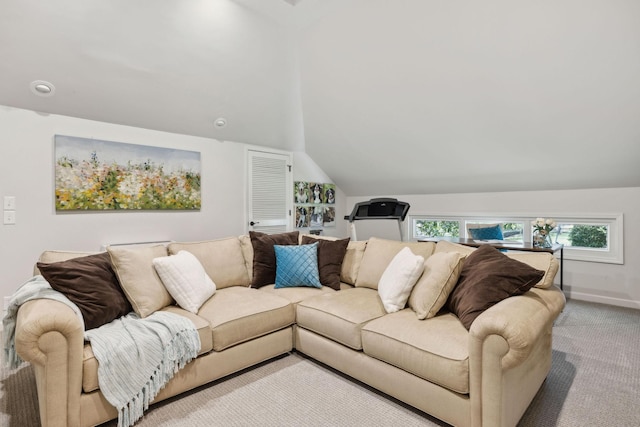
x: 220, y: 122
x: 42, y: 88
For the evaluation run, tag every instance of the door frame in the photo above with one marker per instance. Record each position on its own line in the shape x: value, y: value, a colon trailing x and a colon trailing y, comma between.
x: 289, y: 182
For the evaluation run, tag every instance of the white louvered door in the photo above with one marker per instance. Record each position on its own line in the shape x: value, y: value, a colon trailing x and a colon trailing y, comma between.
x: 270, y: 192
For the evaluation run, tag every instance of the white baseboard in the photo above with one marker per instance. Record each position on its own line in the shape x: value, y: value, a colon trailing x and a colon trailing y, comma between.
x: 581, y: 296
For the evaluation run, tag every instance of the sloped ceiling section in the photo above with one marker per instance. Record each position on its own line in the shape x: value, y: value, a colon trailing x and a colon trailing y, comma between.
x: 387, y: 97
x: 173, y: 65
x: 418, y: 97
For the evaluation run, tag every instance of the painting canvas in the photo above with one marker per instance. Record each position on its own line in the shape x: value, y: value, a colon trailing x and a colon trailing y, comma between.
x: 316, y: 216
x: 101, y: 175
x: 302, y: 216
x: 315, y: 192
x: 330, y: 194
x: 329, y: 217
x: 301, y: 192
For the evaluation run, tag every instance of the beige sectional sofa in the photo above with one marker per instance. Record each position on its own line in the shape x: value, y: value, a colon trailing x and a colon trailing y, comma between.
x: 484, y: 376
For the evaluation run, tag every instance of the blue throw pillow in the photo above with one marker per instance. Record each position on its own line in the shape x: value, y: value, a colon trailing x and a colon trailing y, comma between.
x: 297, y: 265
x: 488, y: 233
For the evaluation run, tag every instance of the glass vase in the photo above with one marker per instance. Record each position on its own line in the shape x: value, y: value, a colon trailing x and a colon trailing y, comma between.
x: 541, y: 240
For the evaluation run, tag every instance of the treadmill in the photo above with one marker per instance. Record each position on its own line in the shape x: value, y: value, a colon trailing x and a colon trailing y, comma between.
x: 380, y: 208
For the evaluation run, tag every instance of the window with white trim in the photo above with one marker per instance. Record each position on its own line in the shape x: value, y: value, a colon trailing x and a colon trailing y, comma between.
x: 586, y: 237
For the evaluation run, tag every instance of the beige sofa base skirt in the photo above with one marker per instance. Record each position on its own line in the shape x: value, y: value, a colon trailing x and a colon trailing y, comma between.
x: 451, y: 407
x: 94, y: 408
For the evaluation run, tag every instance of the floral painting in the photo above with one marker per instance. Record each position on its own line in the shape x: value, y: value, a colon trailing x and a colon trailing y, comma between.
x: 93, y: 174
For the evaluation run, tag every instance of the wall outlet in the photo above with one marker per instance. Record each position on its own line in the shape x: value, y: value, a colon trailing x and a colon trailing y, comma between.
x: 9, y: 217
x: 10, y: 203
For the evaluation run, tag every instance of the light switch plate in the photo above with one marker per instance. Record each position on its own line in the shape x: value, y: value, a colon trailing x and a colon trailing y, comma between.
x: 10, y: 203
x: 9, y: 217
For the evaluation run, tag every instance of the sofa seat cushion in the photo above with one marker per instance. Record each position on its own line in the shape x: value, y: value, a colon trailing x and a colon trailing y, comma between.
x: 435, y: 349
x: 201, y: 324
x: 237, y: 314
x: 296, y: 294
x: 341, y: 315
x: 90, y: 364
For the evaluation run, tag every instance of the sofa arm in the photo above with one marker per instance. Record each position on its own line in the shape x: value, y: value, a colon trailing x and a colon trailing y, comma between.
x: 50, y: 336
x: 510, y: 355
x: 520, y: 321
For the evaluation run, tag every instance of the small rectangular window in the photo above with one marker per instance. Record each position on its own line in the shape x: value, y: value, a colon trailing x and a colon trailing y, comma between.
x: 582, y: 236
x: 586, y: 237
x: 435, y: 228
x: 513, y: 231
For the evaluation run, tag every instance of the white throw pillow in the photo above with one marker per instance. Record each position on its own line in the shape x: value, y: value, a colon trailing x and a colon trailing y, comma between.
x: 398, y: 279
x: 185, y: 279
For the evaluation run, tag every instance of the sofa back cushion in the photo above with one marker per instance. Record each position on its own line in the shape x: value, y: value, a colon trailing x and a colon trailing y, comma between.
x: 541, y: 261
x: 441, y: 273
x: 138, y: 277
x: 378, y: 255
x: 352, y: 260
x: 222, y: 259
x: 445, y: 246
x: 247, y: 253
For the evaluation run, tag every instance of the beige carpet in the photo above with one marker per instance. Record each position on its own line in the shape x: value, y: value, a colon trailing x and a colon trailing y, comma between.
x: 290, y: 391
x: 594, y: 381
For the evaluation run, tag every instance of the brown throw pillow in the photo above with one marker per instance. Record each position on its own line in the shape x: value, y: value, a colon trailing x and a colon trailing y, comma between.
x: 487, y: 277
x: 91, y: 284
x: 264, y: 255
x: 330, y: 256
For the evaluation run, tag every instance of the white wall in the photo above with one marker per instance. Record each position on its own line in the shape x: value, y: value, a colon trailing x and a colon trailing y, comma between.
x: 26, y: 153
x: 607, y: 283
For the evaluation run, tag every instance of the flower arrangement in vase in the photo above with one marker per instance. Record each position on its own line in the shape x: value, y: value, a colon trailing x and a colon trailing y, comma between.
x: 542, y: 232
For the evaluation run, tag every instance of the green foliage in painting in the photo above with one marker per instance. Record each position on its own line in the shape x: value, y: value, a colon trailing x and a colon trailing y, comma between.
x: 94, y: 185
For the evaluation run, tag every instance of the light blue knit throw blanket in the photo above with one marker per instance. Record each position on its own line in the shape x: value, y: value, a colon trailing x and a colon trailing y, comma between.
x: 137, y: 357
x: 34, y: 288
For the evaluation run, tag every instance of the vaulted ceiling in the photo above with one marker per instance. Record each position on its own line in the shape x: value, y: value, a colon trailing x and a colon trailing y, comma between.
x: 403, y: 97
